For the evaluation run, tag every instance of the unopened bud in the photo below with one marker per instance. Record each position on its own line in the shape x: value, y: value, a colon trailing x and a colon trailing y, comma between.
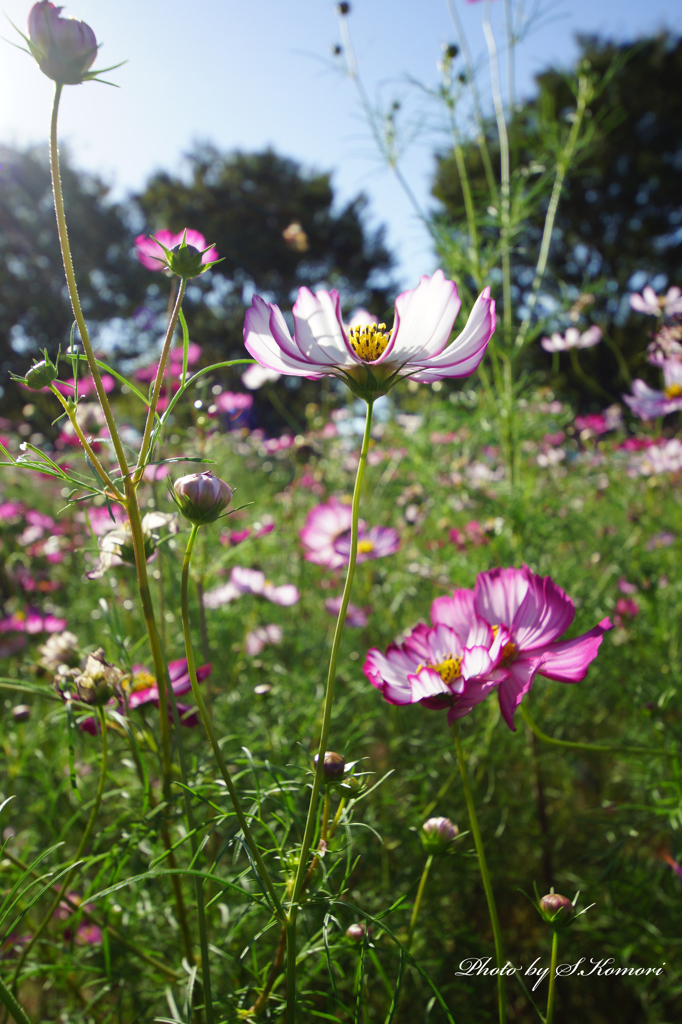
x: 437, y: 834
x: 356, y: 931
x: 64, y: 48
x: 554, y: 905
x: 202, y: 497
x: 21, y: 713
x: 342, y: 9
x: 187, y: 261
x: 41, y: 374
x: 333, y: 767
x: 451, y: 51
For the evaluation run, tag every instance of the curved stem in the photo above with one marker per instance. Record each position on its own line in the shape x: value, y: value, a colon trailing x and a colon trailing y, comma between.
x: 597, y: 748
x: 418, y: 900
x: 485, y: 875
x: 72, y: 286
x: 308, y: 834
x: 156, y: 391
x: 81, y: 846
x: 70, y: 411
x: 549, y: 1016
x: 17, y: 1011
x: 213, y: 739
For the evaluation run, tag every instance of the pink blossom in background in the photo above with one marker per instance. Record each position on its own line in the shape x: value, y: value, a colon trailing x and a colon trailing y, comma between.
x: 648, y: 403
x: 233, y: 404
x: 659, y: 459
x: 234, y: 537
x: 673, y: 864
x: 250, y: 581
x: 151, y: 255
x: 554, y: 439
x: 534, y: 613
x: 278, y: 444
x: 256, y: 376
x: 601, y: 422
x: 666, y: 344
x: 326, y: 536
x: 31, y: 621
x: 86, y: 386
x: 356, y: 617
x: 417, y: 345
x: 636, y: 444
x: 660, y: 540
x: 11, y: 511
x: 626, y: 588
x: 626, y: 608
x: 572, y: 339
x: 650, y: 303
x: 257, y: 639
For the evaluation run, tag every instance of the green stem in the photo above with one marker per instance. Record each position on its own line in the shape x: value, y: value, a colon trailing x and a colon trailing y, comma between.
x: 81, y: 846
x: 156, y: 391
x: 72, y: 286
x: 418, y: 900
x: 70, y: 410
x: 563, y: 164
x: 309, y: 832
x: 597, y: 748
x: 485, y: 875
x: 17, y: 1012
x: 549, y: 1016
x: 213, y: 739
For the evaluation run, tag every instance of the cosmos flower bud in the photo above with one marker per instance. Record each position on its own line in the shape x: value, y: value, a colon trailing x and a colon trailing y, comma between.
x: 65, y: 49
x: 41, y: 374
x: 333, y: 767
x: 356, y: 931
x: 21, y: 713
x: 437, y: 834
x: 201, y: 497
x: 556, y: 908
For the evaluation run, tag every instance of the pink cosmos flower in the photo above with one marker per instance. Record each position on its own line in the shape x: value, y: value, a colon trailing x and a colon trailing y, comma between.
x: 326, y: 536
x: 257, y: 639
x: 532, y: 612
x: 234, y: 403
x: 356, y: 617
x: 666, y: 344
x: 647, y: 403
x: 626, y: 608
x: 367, y: 356
x: 438, y: 668
x: 600, y: 422
x: 250, y: 581
x: 572, y: 339
x: 650, y: 303
x: 151, y: 255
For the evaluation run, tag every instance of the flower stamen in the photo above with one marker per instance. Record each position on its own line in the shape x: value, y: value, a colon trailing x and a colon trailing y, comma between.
x: 508, y: 654
x: 673, y: 391
x: 449, y: 669
x: 365, y: 547
x: 369, y: 342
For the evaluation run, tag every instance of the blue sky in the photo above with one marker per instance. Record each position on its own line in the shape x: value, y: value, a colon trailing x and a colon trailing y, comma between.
x: 257, y: 73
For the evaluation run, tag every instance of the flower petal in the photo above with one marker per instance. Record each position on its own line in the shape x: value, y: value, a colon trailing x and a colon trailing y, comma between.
x: 455, y: 611
x: 423, y: 319
x: 568, y: 662
x: 463, y: 355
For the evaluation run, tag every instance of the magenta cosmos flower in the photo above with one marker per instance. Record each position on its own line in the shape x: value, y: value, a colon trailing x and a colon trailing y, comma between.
x: 251, y: 581
x: 647, y: 403
x: 653, y: 305
x: 326, y: 536
x: 529, y: 613
x: 367, y: 356
x: 449, y: 666
x: 572, y: 339
x: 151, y: 255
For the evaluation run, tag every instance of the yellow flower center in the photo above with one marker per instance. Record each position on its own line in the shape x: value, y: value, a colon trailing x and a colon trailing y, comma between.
x: 508, y: 654
x: 448, y: 669
x: 365, y: 546
x: 141, y: 680
x: 369, y: 342
x: 674, y: 391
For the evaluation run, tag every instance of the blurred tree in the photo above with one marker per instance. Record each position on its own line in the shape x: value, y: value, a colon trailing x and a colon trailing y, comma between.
x: 619, y: 224
x: 35, y: 312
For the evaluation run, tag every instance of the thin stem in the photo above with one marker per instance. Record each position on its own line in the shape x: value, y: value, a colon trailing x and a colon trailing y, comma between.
x: 505, y: 172
x: 326, y: 719
x: 213, y: 739
x: 72, y: 286
x: 156, y: 391
x: 418, y: 900
x: 70, y: 411
x: 549, y: 1016
x: 485, y: 875
x: 563, y: 164
x: 81, y: 846
x: 17, y: 1011
x: 597, y: 748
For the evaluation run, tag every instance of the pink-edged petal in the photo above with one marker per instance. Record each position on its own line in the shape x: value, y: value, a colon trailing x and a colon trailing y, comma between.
x: 285, y: 595
x: 545, y: 613
x: 464, y: 354
x: 221, y: 595
x: 519, y: 681
x: 480, y: 633
x: 476, y: 691
x: 568, y: 661
x: 455, y: 611
x: 428, y: 683
x: 423, y: 320
x: 267, y: 339
x: 319, y: 332
x: 476, y: 663
x: 498, y: 594
x: 388, y: 673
